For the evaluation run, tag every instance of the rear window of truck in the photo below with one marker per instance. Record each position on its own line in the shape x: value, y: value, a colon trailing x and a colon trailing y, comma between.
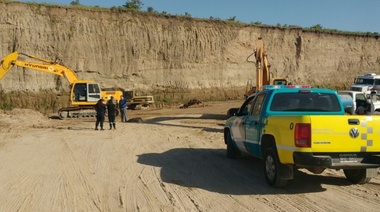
x: 307, y: 101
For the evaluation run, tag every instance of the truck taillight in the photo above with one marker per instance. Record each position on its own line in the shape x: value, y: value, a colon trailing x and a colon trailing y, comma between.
x: 302, y: 135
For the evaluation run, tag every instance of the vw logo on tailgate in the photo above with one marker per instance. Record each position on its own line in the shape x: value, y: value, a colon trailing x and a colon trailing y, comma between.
x: 354, y: 133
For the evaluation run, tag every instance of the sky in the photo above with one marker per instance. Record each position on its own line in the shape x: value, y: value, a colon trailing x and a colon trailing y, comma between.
x: 343, y: 15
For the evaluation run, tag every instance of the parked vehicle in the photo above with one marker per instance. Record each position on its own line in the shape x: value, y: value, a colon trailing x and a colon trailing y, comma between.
x: 366, y: 83
x: 292, y: 127
x: 354, y: 99
x: 137, y: 100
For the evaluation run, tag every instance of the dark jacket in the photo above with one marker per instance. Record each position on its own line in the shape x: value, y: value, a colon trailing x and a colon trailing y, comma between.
x: 123, y: 103
x: 111, y: 107
x: 100, y: 107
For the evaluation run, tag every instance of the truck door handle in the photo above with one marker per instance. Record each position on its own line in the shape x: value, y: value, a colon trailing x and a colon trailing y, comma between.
x: 353, y: 121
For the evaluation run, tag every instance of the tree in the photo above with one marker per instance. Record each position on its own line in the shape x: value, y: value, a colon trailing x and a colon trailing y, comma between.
x: 232, y: 19
x: 133, y: 4
x: 76, y: 2
x: 150, y: 9
x: 316, y: 27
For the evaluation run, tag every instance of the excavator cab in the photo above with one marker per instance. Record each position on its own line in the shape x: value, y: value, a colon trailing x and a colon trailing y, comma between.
x: 83, y: 93
x: 280, y: 81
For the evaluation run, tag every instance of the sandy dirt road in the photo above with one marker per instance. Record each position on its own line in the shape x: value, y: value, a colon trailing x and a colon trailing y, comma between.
x: 174, y: 161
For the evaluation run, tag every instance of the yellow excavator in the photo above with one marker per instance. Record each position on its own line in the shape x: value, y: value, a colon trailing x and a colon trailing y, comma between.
x: 263, y: 74
x: 84, y: 93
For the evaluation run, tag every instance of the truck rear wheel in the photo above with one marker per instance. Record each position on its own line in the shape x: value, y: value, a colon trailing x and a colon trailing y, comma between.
x: 232, y: 151
x: 272, y: 169
x: 356, y: 176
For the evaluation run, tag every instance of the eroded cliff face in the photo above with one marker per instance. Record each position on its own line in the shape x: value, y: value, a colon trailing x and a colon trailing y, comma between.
x: 169, y: 54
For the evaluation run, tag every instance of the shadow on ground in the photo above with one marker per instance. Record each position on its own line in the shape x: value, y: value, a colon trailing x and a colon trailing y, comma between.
x: 191, y: 122
x: 209, y: 169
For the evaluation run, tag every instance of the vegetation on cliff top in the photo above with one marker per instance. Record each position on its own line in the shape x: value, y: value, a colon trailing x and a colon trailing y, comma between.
x: 136, y: 5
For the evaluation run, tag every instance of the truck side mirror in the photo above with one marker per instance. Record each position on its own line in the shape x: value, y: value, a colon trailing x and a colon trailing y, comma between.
x: 348, y: 110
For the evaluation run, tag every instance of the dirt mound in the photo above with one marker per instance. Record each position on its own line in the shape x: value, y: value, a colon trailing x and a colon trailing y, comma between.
x: 190, y: 103
x: 31, y: 114
x: 21, y: 117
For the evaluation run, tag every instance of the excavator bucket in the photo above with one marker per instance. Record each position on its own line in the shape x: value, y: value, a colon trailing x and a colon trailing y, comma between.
x: 7, y: 63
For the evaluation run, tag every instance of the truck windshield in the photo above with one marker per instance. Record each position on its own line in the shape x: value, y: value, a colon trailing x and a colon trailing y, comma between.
x: 361, y: 81
x: 305, y: 102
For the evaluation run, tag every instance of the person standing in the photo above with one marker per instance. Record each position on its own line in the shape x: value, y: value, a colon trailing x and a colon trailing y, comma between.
x: 111, y: 108
x: 100, y: 108
x: 123, y: 109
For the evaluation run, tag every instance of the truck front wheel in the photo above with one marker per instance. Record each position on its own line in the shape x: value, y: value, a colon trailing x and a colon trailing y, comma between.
x: 356, y: 176
x: 272, y: 169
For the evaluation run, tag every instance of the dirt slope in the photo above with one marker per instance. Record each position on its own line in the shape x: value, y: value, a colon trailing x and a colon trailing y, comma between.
x: 175, y: 161
x: 172, y: 54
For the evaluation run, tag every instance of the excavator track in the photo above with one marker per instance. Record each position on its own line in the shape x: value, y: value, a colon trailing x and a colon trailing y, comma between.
x: 77, y: 112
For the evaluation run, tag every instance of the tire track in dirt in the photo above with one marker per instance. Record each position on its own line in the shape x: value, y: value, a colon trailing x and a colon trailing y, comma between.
x: 29, y: 160
x: 168, y: 163
x: 154, y: 191
x: 139, y: 176
x: 77, y: 178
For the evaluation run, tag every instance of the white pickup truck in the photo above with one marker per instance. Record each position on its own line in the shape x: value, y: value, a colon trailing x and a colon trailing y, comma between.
x: 353, y: 99
x: 366, y: 83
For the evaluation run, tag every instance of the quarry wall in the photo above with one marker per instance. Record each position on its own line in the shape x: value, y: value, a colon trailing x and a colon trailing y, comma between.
x: 170, y: 54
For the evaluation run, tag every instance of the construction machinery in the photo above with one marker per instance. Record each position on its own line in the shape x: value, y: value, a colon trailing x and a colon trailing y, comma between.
x: 84, y: 93
x: 136, y: 100
x: 263, y: 74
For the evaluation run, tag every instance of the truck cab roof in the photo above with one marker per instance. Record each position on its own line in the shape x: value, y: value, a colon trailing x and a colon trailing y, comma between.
x: 302, y: 99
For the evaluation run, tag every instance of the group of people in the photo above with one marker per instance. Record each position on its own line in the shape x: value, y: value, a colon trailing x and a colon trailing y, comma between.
x: 111, y: 108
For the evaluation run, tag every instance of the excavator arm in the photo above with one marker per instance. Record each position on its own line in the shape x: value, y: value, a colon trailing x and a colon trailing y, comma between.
x: 46, y: 66
x: 263, y: 74
x: 262, y: 65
